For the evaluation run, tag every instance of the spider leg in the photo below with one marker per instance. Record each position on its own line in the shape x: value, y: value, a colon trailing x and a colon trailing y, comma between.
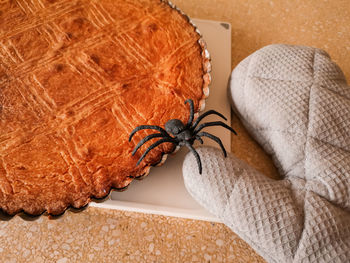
x: 205, y: 114
x: 146, y: 139
x: 154, y: 145
x: 196, y: 155
x: 214, y: 123
x: 199, y: 139
x: 153, y: 127
x: 191, y: 112
x: 214, y: 138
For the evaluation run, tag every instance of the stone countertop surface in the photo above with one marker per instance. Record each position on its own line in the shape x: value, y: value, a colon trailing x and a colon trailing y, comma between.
x: 102, y: 235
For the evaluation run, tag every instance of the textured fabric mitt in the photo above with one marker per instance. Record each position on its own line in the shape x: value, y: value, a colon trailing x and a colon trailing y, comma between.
x: 295, y: 102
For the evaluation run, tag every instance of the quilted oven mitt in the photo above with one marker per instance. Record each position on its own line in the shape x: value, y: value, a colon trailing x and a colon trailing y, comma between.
x: 295, y: 102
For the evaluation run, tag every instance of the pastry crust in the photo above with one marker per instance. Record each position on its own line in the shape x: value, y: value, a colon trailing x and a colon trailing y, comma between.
x: 76, y: 77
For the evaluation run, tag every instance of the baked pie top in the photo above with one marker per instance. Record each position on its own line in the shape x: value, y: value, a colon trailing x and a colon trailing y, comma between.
x: 75, y: 78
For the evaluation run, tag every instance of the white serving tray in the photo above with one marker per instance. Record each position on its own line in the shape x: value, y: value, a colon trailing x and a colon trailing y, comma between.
x: 163, y: 191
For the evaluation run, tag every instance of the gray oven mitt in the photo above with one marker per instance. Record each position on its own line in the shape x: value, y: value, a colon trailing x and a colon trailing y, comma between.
x: 295, y: 102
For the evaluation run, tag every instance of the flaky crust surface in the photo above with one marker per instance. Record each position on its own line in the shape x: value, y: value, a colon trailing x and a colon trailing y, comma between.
x: 76, y: 77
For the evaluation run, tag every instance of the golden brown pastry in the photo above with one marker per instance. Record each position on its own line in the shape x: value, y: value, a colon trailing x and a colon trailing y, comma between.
x: 75, y: 78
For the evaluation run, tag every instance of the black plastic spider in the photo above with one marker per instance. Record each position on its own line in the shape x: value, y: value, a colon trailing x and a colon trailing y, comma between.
x: 182, y: 134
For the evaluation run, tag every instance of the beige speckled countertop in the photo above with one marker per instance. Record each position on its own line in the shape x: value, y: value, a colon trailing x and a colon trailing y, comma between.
x: 101, y: 235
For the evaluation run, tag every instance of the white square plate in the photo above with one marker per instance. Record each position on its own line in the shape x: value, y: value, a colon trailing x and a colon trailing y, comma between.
x: 163, y: 191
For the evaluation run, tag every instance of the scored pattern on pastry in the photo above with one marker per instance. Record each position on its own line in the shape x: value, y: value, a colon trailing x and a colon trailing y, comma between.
x: 75, y: 78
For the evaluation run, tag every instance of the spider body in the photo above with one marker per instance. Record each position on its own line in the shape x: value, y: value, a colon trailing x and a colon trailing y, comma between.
x: 181, y: 134
x: 176, y: 128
